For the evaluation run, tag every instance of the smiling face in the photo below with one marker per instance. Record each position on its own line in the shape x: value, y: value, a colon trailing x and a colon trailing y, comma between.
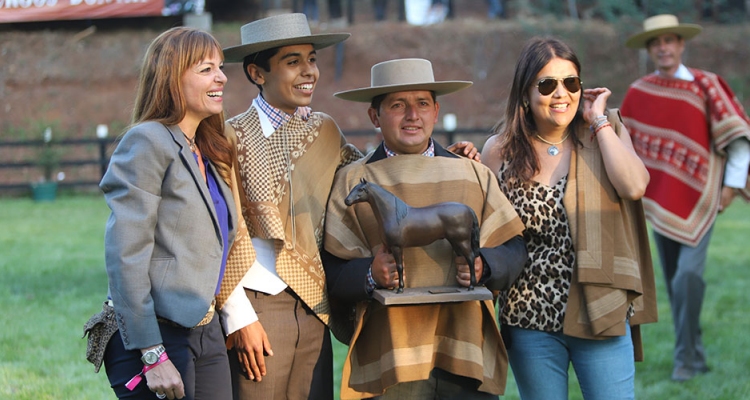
x: 290, y: 81
x: 203, y: 86
x: 666, y: 52
x: 554, y: 112
x: 406, y: 120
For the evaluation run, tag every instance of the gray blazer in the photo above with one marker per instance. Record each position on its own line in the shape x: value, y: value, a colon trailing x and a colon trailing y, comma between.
x: 163, y: 245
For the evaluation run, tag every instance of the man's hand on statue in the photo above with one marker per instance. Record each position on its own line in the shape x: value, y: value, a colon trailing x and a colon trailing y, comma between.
x: 252, y: 345
x: 463, y: 276
x: 383, y: 268
x: 467, y: 149
x: 727, y: 195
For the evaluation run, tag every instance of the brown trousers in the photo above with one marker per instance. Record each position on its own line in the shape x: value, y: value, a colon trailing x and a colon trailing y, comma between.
x: 302, y: 363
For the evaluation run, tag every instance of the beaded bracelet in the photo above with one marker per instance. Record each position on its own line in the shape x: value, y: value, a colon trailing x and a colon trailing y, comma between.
x: 600, y: 127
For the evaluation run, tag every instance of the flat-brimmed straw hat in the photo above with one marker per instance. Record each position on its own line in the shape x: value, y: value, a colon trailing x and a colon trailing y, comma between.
x: 402, y: 75
x: 661, y: 24
x: 278, y: 31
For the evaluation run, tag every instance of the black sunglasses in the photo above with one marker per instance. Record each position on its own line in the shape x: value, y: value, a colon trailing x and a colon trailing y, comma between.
x: 548, y: 85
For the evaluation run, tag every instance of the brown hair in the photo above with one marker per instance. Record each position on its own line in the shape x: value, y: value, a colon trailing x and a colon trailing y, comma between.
x: 160, y: 96
x: 518, y: 127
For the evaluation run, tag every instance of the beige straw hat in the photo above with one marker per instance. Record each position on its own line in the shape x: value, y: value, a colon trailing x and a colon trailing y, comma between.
x: 278, y: 31
x: 660, y: 24
x: 401, y: 75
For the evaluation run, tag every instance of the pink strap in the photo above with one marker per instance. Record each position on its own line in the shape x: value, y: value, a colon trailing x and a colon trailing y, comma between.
x: 134, y: 381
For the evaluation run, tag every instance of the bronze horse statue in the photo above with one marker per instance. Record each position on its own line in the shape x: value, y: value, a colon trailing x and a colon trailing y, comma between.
x: 403, y: 226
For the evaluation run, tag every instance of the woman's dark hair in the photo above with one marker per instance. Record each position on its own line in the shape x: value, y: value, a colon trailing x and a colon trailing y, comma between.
x: 518, y: 127
x: 262, y: 59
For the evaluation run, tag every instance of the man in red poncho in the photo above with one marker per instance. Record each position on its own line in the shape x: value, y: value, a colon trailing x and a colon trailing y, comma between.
x: 692, y: 134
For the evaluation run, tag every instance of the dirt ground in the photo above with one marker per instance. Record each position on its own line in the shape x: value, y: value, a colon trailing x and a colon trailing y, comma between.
x: 79, y: 78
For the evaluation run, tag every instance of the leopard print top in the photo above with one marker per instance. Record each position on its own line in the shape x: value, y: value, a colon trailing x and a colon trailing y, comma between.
x: 538, y: 298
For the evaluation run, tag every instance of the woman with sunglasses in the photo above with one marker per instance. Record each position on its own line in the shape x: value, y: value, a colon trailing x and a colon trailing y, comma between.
x: 568, y: 166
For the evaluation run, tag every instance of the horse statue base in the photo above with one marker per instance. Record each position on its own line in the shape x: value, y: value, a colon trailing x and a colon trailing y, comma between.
x: 429, y: 295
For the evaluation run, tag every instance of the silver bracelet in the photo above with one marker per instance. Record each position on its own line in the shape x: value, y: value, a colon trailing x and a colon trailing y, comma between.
x: 598, y: 121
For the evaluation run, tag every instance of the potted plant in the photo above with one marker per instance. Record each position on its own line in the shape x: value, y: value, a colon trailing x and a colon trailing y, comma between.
x: 48, y: 159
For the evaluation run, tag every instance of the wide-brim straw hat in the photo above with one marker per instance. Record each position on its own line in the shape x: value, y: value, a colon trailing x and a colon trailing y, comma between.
x: 660, y: 24
x: 406, y: 74
x: 278, y: 31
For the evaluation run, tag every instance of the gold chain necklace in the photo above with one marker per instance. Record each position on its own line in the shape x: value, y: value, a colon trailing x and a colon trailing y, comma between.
x: 552, y: 149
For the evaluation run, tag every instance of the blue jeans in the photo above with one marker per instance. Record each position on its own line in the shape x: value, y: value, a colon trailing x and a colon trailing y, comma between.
x: 605, y: 368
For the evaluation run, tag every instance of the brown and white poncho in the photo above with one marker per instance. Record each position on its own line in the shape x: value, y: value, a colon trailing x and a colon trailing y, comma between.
x: 405, y: 343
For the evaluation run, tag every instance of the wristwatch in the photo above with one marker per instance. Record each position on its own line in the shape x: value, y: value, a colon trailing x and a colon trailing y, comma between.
x: 152, y: 356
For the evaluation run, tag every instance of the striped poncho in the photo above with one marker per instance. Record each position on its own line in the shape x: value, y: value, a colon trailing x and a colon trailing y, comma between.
x: 405, y: 343
x: 681, y: 130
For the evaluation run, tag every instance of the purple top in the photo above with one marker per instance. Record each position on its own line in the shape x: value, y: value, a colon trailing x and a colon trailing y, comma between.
x: 222, y: 214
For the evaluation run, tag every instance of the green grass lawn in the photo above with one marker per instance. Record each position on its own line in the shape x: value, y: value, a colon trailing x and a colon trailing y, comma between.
x: 52, y: 279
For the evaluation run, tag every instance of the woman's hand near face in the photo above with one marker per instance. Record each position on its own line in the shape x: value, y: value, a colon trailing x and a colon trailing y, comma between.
x: 594, y: 103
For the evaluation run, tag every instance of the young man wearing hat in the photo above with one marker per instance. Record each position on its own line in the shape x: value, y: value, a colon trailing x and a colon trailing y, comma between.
x: 692, y: 134
x: 441, y: 350
x: 276, y: 318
